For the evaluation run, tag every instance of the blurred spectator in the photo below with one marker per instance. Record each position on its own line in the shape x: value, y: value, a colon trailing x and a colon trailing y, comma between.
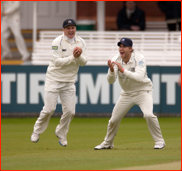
x: 130, y: 17
x: 10, y: 11
x: 172, y: 11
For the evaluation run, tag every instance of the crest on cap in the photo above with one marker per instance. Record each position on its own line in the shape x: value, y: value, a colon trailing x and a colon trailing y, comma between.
x: 123, y: 39
x: 69, y: 21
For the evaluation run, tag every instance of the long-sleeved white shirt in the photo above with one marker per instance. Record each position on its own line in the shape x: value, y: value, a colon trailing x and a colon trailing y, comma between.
x: 134, y: 77
x: 63, y: 66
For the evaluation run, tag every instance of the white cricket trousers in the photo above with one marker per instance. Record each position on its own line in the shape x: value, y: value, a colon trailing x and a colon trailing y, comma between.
x: 13, y: 23
x: 67, y: 97
x: 144, y: 100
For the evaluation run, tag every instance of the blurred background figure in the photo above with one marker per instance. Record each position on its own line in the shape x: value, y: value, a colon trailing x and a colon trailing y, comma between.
x: 10, y: 11
x: 172, y: 11
x: 130, y: 17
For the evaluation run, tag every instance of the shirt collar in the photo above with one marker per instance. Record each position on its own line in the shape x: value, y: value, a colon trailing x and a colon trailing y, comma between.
x: 70, y: 40
x: 130, y: 60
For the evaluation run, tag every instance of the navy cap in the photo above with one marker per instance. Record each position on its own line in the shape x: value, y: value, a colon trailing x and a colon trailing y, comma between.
x: 125, y: 42
x: 69, y: 22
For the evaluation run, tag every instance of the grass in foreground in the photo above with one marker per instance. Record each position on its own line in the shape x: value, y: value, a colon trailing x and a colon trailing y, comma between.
x: 133, y: 145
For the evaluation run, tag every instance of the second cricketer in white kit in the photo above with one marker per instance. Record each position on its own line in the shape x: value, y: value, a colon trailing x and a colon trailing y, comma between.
x: 68, y: 53
x: 130, y: 68
x: 11, y: 20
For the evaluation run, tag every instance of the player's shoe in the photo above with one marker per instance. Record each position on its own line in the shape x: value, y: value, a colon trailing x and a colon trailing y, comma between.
x: 26, y: 57
x: 34, y: 137
x: 62, y: 142
x: 159, y: 145
x: 102, y: 146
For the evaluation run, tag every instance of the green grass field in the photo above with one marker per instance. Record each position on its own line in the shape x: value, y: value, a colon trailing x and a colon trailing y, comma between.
x: 133, y: 145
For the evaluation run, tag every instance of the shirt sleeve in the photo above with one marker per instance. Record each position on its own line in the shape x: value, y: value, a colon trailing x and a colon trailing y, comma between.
x: 12, y: 8
x: 58, y: 59
x: 140, y: 71
x: 82, y: 59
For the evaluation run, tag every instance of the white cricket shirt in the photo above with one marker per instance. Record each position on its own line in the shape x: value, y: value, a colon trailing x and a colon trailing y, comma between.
x: 134, y: 77
x: 63, y: 66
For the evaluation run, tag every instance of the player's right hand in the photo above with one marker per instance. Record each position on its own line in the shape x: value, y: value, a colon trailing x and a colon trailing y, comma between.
x: 110, y: 65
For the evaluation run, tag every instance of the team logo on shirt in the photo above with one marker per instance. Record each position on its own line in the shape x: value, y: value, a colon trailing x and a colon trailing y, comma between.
x: 140, y: 62
x: 54, y: 47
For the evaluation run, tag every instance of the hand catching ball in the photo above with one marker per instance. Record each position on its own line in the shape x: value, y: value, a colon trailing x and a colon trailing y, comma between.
x: 77, y: 52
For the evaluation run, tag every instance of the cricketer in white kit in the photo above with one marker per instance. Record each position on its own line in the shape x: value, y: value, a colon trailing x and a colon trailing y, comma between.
x: 130, y: 68
x: 68, y: 53
x: 10, y: 11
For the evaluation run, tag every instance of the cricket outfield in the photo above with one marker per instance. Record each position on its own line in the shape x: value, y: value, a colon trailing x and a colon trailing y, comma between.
x: 133, y: 145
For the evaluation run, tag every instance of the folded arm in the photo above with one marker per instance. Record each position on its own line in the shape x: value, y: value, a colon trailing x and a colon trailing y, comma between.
x: 12, y: 8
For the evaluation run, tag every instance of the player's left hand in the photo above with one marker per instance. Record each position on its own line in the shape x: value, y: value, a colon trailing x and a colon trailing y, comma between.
x: 119, y: 66
x: 77, y: 52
